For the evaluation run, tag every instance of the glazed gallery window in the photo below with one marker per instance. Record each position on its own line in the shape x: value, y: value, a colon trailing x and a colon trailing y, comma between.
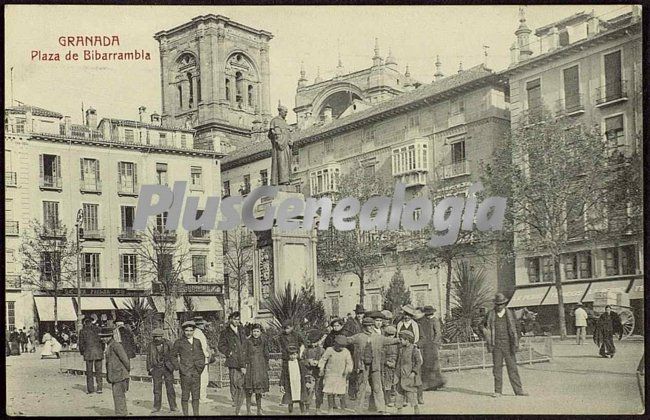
x: 410, y: 157
x: 90, y: 267
x: 128, y: 268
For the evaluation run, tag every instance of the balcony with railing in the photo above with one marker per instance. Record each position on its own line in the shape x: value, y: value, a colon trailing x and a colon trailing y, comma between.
x: 90, y: 186
x: 129, y: 235
x: 93, y: 234
x: 11, y: 228
x: 455, y: 169
x: 455, y: 119
x: 127, y: 188
x: 49, y: 182
x: 53, y: 232
x: 570, y: 105
x: 11, y: 179
x: 199, y: 236
x: 164, y: 235
x: 611, y: 93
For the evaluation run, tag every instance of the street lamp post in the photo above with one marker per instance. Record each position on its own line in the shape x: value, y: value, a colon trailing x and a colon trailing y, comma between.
x: 80, y: 218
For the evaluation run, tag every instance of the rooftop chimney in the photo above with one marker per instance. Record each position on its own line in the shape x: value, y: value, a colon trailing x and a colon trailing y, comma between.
x: 91, y: 118
x: 155, y: 118
x: 438, y: 74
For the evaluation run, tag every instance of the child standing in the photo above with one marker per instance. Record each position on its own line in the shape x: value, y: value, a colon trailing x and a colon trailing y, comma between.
x: 256, y: 362
x: 293, y: 381
x: 390, y: 361
x: 312, y: 356
x: 409, y: 362
x: 335, y: 365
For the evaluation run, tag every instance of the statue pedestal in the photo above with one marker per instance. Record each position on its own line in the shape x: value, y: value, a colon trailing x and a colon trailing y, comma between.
x: 281, y: 257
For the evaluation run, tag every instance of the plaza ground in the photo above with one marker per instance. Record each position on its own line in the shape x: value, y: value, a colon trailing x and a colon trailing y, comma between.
x: 576, y: 381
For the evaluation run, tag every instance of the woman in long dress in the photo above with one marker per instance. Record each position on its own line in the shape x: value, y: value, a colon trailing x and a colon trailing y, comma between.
x: 51, y: 347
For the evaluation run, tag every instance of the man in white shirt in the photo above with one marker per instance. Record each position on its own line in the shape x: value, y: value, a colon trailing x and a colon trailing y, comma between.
x: 205, y: 376
x: 581, y: 324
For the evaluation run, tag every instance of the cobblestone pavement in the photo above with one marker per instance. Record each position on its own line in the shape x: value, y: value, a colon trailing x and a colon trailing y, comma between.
x: 577, y: 381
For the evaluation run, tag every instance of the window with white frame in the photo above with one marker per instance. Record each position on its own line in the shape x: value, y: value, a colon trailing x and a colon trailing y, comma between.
x: 334, y: 299
x: 410, y: 158
x: 89, y: 173
x: 324, y: 180
x: 196, y: 173
x: 129, y: 268
x: 91, y: 217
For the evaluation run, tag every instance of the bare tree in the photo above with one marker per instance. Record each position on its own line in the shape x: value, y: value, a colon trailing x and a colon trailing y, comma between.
x: 163, y: 260
x: 238, y: 260
x: 556, y: 175
x: 48, y: 257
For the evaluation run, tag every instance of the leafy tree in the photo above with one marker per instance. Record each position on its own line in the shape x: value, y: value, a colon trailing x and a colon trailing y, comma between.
x: 396, y: 295
x: 164, y: 260
x: 471, y: 292
x: 48, y: 256
x: 355, y: 251
x: 554, y: 174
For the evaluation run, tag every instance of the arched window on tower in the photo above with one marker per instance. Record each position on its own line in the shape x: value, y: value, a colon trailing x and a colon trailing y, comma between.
x: 239, y: 82
x: 180, y: 96
x: 227, y: 89
x: 251, y: 100
x: 198, y: 89
x: 191, y: 101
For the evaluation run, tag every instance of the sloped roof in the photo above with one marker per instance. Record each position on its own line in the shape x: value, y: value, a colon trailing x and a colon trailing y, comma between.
x: 252, y: 152
x: 39, y: 112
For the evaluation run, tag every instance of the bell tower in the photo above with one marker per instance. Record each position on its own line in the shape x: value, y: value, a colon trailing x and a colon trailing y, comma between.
x: 214, y: 76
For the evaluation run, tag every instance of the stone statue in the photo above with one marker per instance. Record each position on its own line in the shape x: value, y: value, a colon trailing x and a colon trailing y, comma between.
x: 280, y: 135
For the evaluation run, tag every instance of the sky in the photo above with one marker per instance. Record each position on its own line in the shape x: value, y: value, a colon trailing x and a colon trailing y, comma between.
x: 313, y: 35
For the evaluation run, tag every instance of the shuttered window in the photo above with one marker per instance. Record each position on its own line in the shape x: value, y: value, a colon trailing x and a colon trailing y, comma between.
x: 534, y: 94
x: 51, y: 214
x: 613, y: 82
x: 91, y: 219
x: 571, y: 88
x: 128, y: 215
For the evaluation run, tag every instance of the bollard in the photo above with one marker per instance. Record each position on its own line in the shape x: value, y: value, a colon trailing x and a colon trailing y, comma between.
x: 530, y: 352
x: 458, y: 344
x: 483, y: 353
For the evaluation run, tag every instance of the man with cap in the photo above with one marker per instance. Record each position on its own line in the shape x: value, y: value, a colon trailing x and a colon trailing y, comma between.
x: 388, y: 318
x: 200, y: 335
x: 231, y: 345
x: 407, y: 371
x: 92, y: 350
x: 118, y: 368
x: 378, y: 319
x: 188, y: 356
x: 407, y: 323
x: 502, y: 338
x: 280, y: 134
x: 160, y: 366
x: 354, y: 326
x: 581, y: 323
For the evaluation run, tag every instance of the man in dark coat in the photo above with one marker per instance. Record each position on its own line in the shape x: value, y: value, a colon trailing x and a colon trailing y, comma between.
x: 608, y: 324
x: 231, y: 345
x: 160, y: 366
x: 92, y: 350
x: 23, y: 340
x: 187, y: 354
x: 118, y: 368
x: 502, y: 339
x: 287, y: 339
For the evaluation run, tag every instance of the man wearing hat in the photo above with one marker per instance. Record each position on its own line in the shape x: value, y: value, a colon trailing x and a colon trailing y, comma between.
x: 118, y: 368
x: 502, y: 339
x: 200, y: 335
x: 92, y: 350
x: 160, y: 366
x: 388, y: 318
x: 188, y: 356
x: 354, y: 326
x: 581, y: 323
x: 231, y: 345
x: 407, y: 323
x: 407, y: 371
x: 280, y: 134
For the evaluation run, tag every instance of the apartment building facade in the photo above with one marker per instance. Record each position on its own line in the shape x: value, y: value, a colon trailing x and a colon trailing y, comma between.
x: 589, y: 70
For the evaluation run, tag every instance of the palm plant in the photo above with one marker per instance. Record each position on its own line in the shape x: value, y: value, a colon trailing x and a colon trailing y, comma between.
x: 470, y: 293
x: 299, y: 307
x: 143, y: 319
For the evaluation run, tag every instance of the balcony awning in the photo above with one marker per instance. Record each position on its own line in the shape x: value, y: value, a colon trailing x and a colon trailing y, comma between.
x: 127, y: 302
x: 206, y: 303
x: 93, y: 303
x: 45, y: 307
x: 572, y: 293
x: 530, y: 296
x: 636, y: 292
x: 611, y: 285
x: 159, y: 303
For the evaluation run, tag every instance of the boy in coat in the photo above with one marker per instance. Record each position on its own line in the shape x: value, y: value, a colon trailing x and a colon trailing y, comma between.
x: 92, y: 350
x: 295, y: 382
x: 187, y: 354
x: 407, y: 371
x: 161, y: 368
x: 118, y: 368
x: 312, y: 356
x: 231, y: 345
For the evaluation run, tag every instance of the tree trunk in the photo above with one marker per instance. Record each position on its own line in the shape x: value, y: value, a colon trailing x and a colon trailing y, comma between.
x: 56, y: 310
x: 362, y: 289
x: 239, y: 283
x: 448, y: 291
x: 560, y: 297
x: 171, y: 330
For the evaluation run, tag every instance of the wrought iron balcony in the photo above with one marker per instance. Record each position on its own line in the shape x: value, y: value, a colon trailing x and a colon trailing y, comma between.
x: 571, y: 105
x: 11, y: 179
x: 455, y: 169
x: 610, y: 93
x: 93, y: 234
x: 200, y: 236
x: 129, y: 235
x: 164, y: 235
x: 53, y: 232
x: 127, y: 188
x: 11, y: 228
x: 90, y: 186
x: 49, y: 182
